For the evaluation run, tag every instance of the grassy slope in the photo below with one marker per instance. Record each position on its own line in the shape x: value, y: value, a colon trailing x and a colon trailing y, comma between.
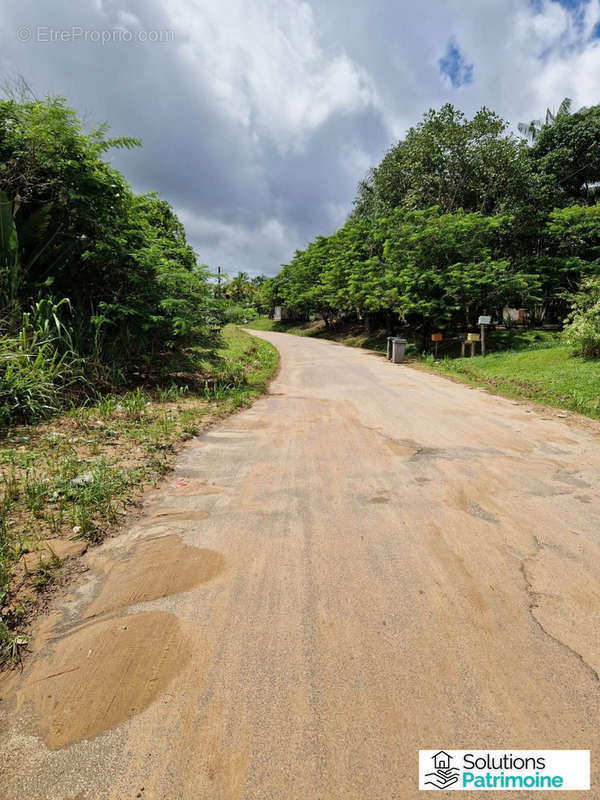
x: 551, y: 376
x: 75, y: 477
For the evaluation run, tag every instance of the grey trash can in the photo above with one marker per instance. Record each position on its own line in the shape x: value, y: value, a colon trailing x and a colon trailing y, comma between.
x: 390, y: 339
x: 398, y: 350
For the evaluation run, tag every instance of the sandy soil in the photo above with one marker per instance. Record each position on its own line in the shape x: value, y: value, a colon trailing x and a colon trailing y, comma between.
x: 369, y: 561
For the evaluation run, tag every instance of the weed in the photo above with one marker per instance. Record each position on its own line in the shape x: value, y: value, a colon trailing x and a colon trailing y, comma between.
x: 46, y: 570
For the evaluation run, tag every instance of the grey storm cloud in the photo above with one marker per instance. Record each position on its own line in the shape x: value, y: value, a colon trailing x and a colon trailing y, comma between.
x: 259, y: 117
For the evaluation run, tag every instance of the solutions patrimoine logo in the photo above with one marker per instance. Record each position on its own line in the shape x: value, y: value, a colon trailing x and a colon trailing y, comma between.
x: 504, y: 770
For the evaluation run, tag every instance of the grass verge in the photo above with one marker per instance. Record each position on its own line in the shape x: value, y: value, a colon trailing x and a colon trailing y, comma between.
x: 67, y: 483
x: 549, y: 375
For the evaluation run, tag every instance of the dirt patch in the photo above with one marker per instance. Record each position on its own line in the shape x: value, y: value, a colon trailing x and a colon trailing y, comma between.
x: 379, y: 500
x: 50, y: 548
x: 156, y: 568
x: 99, y: 676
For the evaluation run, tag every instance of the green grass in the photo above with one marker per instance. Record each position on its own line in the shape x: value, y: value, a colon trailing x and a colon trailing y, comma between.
x: 76, y: 476
x: 547, y: 375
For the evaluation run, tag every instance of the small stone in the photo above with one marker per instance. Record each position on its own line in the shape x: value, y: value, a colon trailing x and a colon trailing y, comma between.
x: 81, y: 480
x: 76, y: 529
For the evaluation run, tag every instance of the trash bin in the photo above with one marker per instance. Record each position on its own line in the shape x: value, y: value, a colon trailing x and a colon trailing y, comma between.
x: 398, y: 350
x: 390, y: 339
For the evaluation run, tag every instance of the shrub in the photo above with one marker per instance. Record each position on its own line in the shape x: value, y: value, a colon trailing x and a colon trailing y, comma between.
x: 239, y: 315
x: 583, y: 331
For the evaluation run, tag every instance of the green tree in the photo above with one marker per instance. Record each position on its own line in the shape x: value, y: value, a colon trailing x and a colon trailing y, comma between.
x: 567, y: 157
x: 450, y: 162
x: 531, y: 130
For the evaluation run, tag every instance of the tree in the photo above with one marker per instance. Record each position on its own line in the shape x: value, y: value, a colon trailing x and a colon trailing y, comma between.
x: 566, y: 155
x: 450, y: 162
x: 531, y: 130
x: 121, y: 260
x: 446, y: 269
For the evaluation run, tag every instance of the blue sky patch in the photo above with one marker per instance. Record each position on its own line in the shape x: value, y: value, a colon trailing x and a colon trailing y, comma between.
x: 573, y: 5
x: 453, y: 66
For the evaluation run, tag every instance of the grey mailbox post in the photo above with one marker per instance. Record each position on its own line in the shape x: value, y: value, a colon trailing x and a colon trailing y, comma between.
x: 390, y: 339
x: 398, y: 350
x: 483, y: 321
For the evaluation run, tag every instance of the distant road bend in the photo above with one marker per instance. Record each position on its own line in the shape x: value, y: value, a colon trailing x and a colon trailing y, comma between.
x: 369, y: 561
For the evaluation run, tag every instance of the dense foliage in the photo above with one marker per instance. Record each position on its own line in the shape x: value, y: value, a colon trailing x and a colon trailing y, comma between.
x: 583, y: 330
x: 460, y: 218
x: 94, y: 280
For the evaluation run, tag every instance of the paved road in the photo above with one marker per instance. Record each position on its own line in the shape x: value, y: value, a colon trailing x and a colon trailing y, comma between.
x: 370, y: 561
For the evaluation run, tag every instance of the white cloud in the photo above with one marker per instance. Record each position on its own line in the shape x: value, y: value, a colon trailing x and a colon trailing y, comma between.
x: 261, y: 116
x: 263, y: 64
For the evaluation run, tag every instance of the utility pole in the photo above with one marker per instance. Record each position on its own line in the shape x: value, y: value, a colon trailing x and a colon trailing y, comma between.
x: 219, y: 282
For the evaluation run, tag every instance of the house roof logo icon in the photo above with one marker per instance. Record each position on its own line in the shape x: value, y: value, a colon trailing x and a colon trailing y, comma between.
x: 441, y: 760
x: 445, y: 775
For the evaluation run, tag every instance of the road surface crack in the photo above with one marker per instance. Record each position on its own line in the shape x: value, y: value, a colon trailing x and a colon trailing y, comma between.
x: 534, y: 597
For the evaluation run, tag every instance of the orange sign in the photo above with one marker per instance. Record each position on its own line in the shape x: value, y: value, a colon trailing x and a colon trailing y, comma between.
x: 437, y: 337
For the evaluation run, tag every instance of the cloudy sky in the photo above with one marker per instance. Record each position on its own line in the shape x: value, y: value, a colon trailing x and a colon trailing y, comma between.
x: 259, y: 117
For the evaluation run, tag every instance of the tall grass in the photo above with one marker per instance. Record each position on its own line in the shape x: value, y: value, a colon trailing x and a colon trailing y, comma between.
x: 37, y: 364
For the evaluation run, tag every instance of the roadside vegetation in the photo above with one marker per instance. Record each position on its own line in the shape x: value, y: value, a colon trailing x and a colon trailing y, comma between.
x: 460, y: 219
x: 113, y: 349
x: 67, y: 482
x: 551, y: 376
x: 463, y: 219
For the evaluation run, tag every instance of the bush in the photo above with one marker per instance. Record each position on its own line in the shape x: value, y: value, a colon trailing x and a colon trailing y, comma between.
x: 583, y: 331
x: 111, y: 284
x: 238, y: 315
